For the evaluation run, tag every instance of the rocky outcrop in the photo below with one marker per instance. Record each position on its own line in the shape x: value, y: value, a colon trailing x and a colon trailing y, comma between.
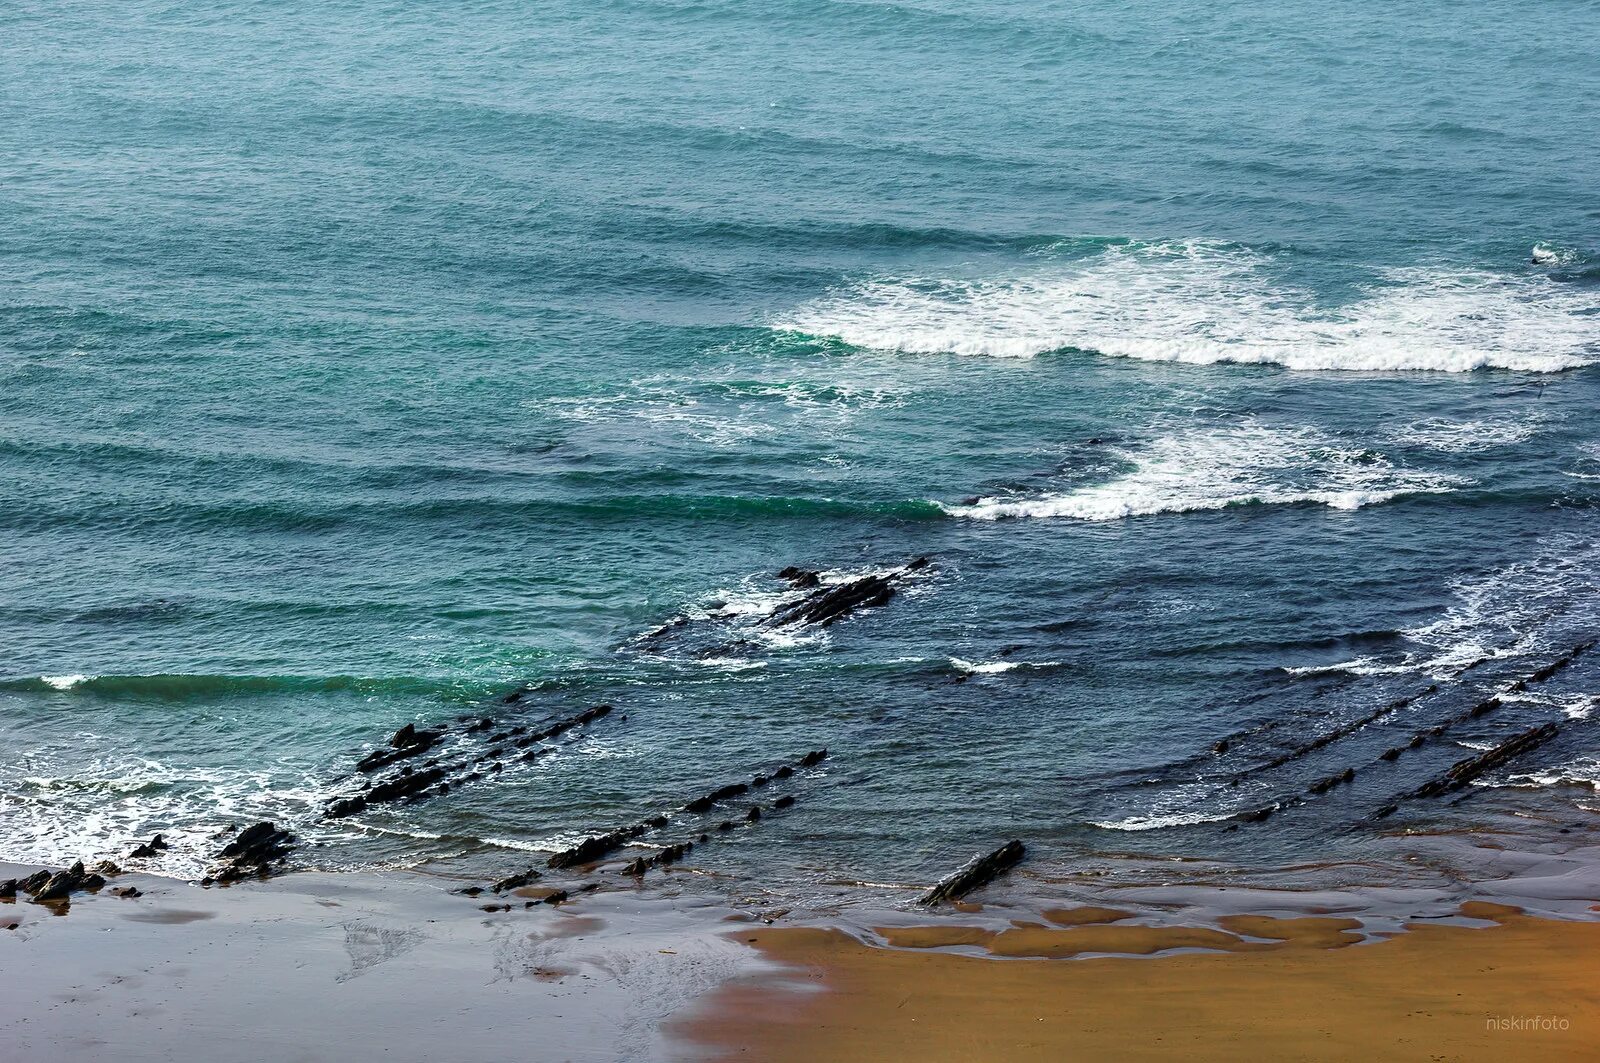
x: 54, y: 887
x: 975, y: 873
x: 1464, y: 771
x: 153, y: 847
x: 816, y: 603
x: 826, y: 606
x: 440, y: 774
x: 256, y: 852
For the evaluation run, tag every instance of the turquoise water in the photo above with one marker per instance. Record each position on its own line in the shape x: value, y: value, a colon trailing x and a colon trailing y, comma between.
x: 1234, y: 365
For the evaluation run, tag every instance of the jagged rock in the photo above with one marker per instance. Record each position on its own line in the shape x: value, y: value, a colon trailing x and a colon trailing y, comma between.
x: 979, y: 871
x: 149, y: 848
x: 1464, y: 771
x: 591, y: 849
x: 440, y: 775
x: 815, y: 757
x: 61, y: 885
x: 801, y: 577
x: 1560, y: 662
x: 828, y: 605
x: 511, y: 882
x: 347, y: 806
x: 405, y: 743
x: 253, y: 852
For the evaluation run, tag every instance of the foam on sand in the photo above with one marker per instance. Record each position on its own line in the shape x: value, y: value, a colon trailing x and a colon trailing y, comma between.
x: 1204, y: 303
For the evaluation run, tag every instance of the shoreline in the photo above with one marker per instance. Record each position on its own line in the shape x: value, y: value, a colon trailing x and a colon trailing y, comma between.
x: 289, y: 967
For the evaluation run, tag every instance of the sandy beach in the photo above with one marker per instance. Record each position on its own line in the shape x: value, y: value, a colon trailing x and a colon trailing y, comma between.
x: 361, y: 966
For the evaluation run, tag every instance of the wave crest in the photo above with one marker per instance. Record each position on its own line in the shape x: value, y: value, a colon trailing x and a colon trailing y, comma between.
x: 1249, y: 464
x: 1204, y: 303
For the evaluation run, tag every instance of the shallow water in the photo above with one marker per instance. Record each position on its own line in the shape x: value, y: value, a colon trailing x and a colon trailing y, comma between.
x: 360, y: 366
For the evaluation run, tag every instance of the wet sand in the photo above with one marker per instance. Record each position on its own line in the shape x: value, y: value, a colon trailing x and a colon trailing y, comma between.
x: 351, y: 967
x: 1282, y: 989
x: 359, y: 966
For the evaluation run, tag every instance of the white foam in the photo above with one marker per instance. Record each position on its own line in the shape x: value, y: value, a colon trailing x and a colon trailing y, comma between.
x: 1160, y: 821
x: 1582, y: 771
x: 1545, y: 255
x: 65, y: 682
x: 721, y: 413
x: 1204, y: 303
x: 91, y: 802
x: 1465, y: 437
x: 984, y: 667
x: 1213, y: 468
x: 1539, y: 607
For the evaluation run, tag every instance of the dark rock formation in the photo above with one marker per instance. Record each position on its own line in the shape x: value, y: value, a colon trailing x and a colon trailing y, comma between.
x: 1464, y: 771
x: 1333, y: 735
x: 440, y: 775
x: 54, y: 887
x: 593, y: 849
x: 405, y: 743
x: 149, y: 848
x: 828, y: 605
x: 975, y: 873
x: 257, y: 852
x: 520, y: 879
x: 702, y: 804
x: 803, y: 578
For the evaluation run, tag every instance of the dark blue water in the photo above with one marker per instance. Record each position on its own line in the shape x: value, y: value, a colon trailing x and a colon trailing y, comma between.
x: 360, y: 365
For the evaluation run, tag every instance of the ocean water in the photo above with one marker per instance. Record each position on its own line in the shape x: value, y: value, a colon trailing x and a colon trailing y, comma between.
x: 1234, y: 363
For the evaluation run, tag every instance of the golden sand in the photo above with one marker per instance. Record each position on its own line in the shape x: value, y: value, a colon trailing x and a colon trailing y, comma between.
x: 1294, y: 992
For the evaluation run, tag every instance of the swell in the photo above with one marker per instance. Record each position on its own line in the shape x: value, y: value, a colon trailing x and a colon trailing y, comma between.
x: 185, y: 687
x: 40, y: 516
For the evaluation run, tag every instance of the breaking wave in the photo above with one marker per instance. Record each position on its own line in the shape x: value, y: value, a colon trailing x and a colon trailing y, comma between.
x: 1204, y: 303
x: 1248, y: 464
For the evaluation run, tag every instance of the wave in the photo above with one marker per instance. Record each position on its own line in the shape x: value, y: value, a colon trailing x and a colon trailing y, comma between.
x: 91, y: 802
x: 181, y: 686
x: 1218, y: 468
x: 1582, y: 771
x: 1536, y: 607
x: 1204, y: 303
